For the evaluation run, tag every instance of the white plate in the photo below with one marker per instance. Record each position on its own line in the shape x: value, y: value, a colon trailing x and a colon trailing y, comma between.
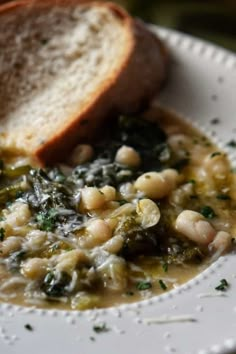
x: 202, y: 86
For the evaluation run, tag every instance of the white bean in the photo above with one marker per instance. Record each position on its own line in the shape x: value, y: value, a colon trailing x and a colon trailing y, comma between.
x: 35, y: 268
x: 149, y: 213
x: 114, y: 245
x: 128, y: 156
x: 195, y: 227
x: 81, y: 154
x: 109, y: 193
x: 92, y: 198
x: 157, y: 185
x: 68, y: 261
x: 10, y: 245
x: 100, y: 232
x: 217, y: 166
x: 221, y: 242
x: 19, y: 215
x: 36, y: 240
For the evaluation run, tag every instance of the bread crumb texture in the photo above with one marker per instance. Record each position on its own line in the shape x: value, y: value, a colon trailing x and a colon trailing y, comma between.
x: 42, y: 76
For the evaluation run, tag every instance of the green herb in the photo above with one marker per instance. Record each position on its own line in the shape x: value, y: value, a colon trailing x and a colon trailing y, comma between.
x: 102, y: 328
x: 223, y: 285
x: 129, y: 293
x: 216, y: 153
x: 2, y: 233
x: 165, y: 267
x: 215, y: 121
x: 192, y: 181
x: 232, y: 143
x: 208, y: 212
x: 29, y: 327
x: 47, y: 220
x: 162, y: 285
x: 144, y: 285
x: 223, y: 197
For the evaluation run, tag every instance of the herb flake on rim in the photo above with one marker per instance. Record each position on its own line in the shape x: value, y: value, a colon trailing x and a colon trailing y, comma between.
x: 223, y: 285
x: 101, y: 328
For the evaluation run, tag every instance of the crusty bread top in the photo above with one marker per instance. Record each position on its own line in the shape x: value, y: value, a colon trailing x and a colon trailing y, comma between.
x: 65, y: 66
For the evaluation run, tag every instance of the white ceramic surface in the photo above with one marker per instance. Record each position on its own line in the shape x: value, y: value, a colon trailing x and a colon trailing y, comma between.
x: 201, y: 87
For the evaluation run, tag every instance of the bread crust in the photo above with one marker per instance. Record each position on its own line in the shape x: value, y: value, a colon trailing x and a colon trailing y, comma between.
x: 141, y: 73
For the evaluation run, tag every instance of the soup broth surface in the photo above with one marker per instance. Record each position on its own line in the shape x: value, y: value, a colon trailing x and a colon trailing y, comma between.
x: 144, y: 209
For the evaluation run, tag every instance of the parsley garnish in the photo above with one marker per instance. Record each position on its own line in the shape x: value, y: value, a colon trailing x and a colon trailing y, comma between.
x: 102, y: 328
x: 47, y: 220
x: 223, y: 285
x: 165, y: 267
x: 162, y: 285
x: 29, y: 327
x: 216, y: 153
x: 208, y: 212
x: 144, y: 285
x: 192, y: 181
x: 215, y: 121
x: 2, y: 233
x: 232, y: 143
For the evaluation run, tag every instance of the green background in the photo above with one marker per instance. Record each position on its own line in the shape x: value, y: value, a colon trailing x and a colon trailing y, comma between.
x: 213, y: 20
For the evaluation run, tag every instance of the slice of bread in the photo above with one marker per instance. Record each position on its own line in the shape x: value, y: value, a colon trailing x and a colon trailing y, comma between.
x: 67, y: 65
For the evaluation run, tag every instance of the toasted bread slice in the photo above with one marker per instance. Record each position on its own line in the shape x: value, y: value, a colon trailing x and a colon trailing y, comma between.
x: 67, y: 65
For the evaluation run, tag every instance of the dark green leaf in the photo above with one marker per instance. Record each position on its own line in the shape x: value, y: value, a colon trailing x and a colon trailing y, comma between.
x: 223, y: 285
x: 101, y: 328
x: 208, y: 212
x: 2, y: 233
x: 162, y: 285
x: 144, y: 285
x: 232, y: 144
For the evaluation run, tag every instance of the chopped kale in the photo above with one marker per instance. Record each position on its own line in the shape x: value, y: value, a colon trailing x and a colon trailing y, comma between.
x: 232, y: 143
x: 15, y: 259
x: 47, y: 220
x: 216, y: 153
x: 55, y: 284
x: 208, y: 212
x: 2, y: 234
x: 162, y: 285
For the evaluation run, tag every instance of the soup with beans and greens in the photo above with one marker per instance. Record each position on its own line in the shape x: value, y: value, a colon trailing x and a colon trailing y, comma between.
x: 143, y: 210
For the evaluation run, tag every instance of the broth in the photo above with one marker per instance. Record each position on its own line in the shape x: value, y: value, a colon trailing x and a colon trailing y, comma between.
x: 145, y: 210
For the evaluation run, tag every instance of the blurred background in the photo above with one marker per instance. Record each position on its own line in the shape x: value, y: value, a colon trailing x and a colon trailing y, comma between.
x: 213, y: 20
